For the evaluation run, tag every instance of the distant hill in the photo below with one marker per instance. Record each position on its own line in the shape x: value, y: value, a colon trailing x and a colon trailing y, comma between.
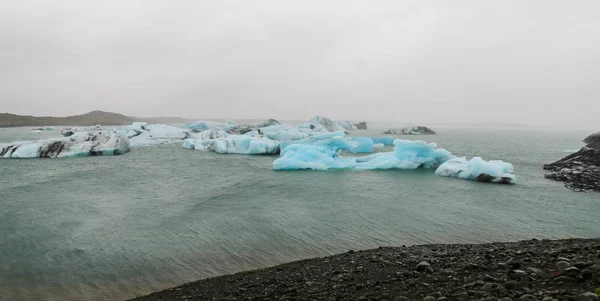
x: 88, y: 119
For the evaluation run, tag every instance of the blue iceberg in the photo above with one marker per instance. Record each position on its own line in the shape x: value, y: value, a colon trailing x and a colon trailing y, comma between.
x: 406, y: 155
x: 384, y: 140
x: 495, y: 171
x: 338, y: 141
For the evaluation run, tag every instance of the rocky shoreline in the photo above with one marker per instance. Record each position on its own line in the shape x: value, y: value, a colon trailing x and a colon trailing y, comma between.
x: 526, y: 270
x: 580, y: 171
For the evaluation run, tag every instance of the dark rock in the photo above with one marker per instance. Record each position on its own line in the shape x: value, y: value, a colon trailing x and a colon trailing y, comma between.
x: 390, y: 132
x: 561, y: 266
x: 528, y: 298
x: 580, y: 171
x: 587, y: 297
x: 563, y: 279
x: 572, y: 271
x: 423, y: 266
x: 593, y: 140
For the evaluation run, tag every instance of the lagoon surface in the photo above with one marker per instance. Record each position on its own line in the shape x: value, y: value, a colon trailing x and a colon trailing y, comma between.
x: 105, y: 228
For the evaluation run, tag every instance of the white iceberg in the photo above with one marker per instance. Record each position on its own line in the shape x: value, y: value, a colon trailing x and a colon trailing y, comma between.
x: 406, y: 155
x: 347, y: 125
x: 199, y: 126
x: 284, y: 132
x: 496, y: 171
x: 143, y: 134
x: 78, y: 145
x: 222, y: 143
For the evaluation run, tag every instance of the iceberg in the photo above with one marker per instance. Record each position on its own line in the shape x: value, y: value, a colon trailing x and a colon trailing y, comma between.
x: 337, y: 141
x: 347, y: 125
x: 222, y: 143
x: 46, y: 128
x: 406, y: 155
x: 283, y: 133
x: 268, y: 122
x: 198, y: 126
x: 417, y: 130
x: 495, y: 171
x: 322, y: 124
x: 315, y: 157
x: 384, y: 140
x: 143, y: 134
x: 78, y: 145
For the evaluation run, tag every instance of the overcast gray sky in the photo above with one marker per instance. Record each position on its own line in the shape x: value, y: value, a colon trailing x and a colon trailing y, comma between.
x: 533, y: 62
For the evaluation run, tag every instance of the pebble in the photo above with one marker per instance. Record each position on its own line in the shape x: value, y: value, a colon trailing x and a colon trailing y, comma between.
x: 581, y: 265
x: 561, y: 266
x: 563, y: 259
x: 528, y: 298
x: 564, y: 279
x: 422, y: 266
x: 587, y: 297
x: 572, y: 272
x: 512, y: 284
x: 429, y: 298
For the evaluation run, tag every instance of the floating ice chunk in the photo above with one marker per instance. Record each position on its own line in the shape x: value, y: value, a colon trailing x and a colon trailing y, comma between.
x: 362, y: 145
x: 78, y: 145
x: 323, y: 124
x: 268, y: 122
x: 337, y: 141
x: 197, y: 125
x: 417, y: 130
x: 347, y: 125
x: 406, y: 155
x: 477, y: 169
x: 253, y: 134
x: 283, y: 133
x: 234, y: 144
x: 315, y: 157
x: 46, y: 128
x: 384, y: 140
x: 142, y: 134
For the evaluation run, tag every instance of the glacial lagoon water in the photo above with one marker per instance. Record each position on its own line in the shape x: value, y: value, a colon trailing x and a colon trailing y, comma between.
x: 106, y: 228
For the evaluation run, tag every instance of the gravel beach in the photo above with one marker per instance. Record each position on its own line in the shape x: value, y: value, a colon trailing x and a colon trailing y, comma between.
x: 525, y: 270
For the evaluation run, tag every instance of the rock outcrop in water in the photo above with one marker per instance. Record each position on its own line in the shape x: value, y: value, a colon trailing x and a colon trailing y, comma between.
x: 593, y: 140
x: 580, y: 171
